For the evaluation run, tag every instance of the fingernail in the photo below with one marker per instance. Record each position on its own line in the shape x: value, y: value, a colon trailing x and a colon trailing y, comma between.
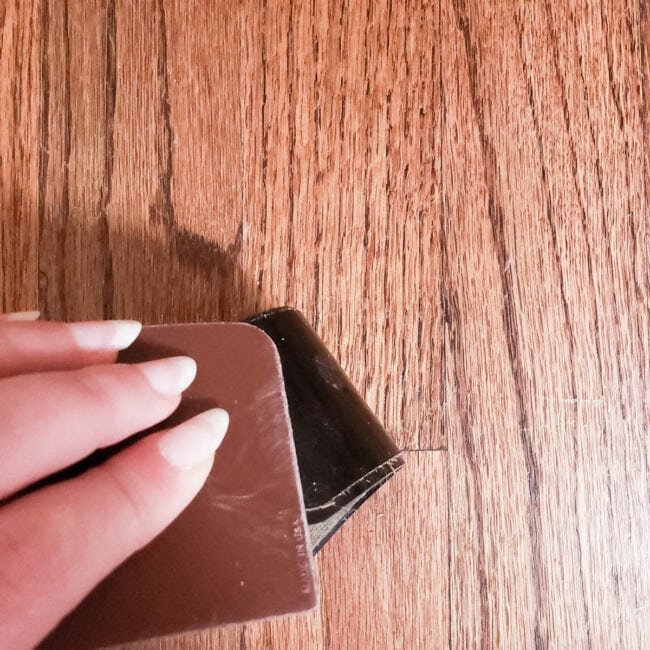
x: 169, y: 376
x: 194, y: 441
x: 105, y: 335
x: 21, y: 315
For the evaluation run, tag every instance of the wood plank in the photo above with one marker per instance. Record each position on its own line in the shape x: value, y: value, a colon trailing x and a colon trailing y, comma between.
x: 249, y: 158
x: 21, y: 160
x: 547, y: 356
x: 176, y: 213
x: 456, y: 196
x: 346, y: 178
x: 77, y: 105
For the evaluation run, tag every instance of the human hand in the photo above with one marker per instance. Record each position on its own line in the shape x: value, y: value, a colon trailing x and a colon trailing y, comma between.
x: 62, y: 396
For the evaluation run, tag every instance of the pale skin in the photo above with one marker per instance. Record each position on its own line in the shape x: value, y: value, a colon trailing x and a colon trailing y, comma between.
x: 62, y: 396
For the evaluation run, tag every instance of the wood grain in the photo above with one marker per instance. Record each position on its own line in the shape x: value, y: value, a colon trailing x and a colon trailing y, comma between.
x: 546, y: 258
x: 455, y: 194
x: 20, y: 158
x: 211, y: 176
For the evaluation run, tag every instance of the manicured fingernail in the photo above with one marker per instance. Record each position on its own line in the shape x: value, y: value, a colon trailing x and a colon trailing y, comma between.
x: 21, y: 315
x: 169, y: 376
x: 105, y: 335
x: 194, y: 441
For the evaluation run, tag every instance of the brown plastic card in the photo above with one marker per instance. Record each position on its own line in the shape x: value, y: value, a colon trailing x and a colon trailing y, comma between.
x: 240, y: 551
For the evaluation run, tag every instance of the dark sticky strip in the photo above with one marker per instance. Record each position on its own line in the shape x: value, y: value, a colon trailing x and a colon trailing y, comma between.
x: 344, y: 453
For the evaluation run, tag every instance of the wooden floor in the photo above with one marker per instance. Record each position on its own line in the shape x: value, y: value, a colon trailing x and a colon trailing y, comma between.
x: 455, y: 194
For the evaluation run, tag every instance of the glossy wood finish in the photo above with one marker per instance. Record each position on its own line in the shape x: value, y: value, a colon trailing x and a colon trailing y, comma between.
x: 455, y: 194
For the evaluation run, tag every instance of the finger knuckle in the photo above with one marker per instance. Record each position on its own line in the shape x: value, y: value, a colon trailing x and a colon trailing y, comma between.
x: 103, y: 386
x: 133, y: 509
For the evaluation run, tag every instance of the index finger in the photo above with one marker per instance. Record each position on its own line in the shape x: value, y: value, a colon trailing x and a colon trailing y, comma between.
x: 27, y: 347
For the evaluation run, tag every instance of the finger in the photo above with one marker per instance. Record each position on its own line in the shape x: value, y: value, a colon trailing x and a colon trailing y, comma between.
x: 51, y: 420
x: 41, y: 346
x: 59, y: 542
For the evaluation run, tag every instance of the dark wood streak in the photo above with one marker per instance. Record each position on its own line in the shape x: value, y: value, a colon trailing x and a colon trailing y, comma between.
x: 452, y: 316
x: 403, y: 354
x: 565, y: 305
x: 327, y: 632
x: 403, y: 257
x: 110, y: 91
x: 43, y: 142
x: 340, y: 207
x: 444, y: 272
x: 610, y: 67
x: 17, y: 81
x: 367, y: 283
x: 265, y: 149
x: 509, y: 316
x: 644, y: 74
x: 3, y: 14
x: 291, y: 71
x: 452, y: 348
x: 17, y: 85
x: 342, y: 53
x: 448, y: 331
x: 162, y: 211
x: 316, y: 310
x: 644, y: 65
x: 191, y: 249
x: 64, y: 213
x: 389, y: 198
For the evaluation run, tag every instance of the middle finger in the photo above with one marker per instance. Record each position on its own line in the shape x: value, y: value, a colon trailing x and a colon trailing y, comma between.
x: 52, y: 420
